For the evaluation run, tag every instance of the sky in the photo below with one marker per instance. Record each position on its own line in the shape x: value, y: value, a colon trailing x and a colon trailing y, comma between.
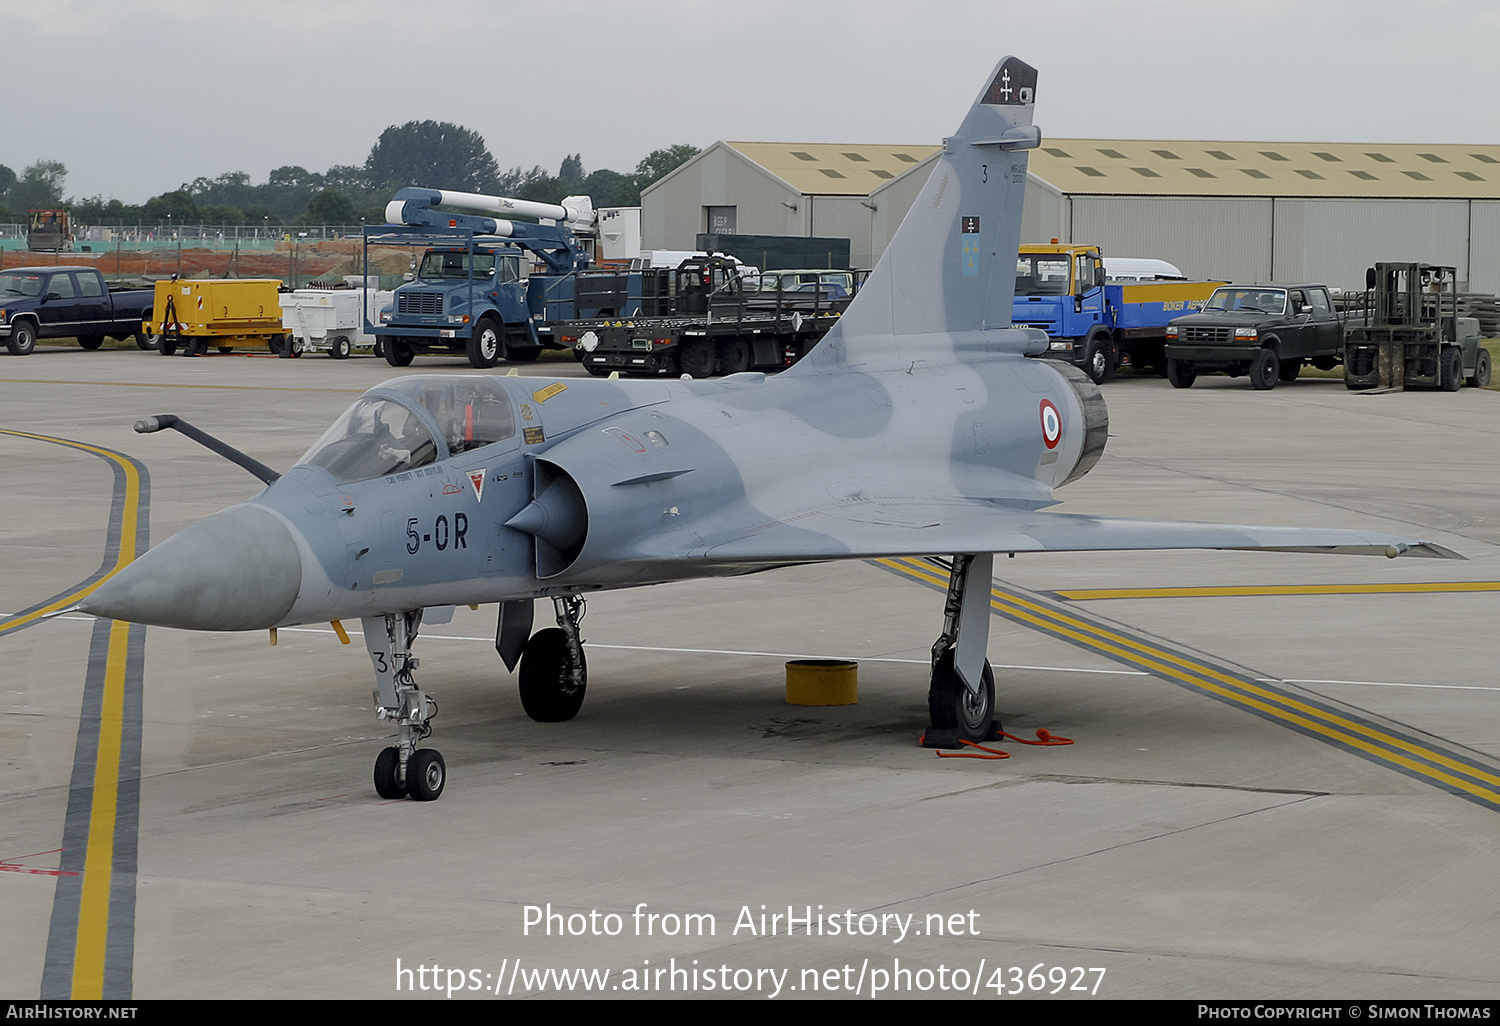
x: 137, y: 97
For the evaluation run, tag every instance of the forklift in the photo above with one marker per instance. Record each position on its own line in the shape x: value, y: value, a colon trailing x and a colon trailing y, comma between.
x: 1411, y: 335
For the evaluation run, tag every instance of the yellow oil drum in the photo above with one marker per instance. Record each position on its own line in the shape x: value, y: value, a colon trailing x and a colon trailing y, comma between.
x: 822, y: 682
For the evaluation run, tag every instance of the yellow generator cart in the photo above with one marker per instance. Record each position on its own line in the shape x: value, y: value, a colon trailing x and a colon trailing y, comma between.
x: 228, y: 314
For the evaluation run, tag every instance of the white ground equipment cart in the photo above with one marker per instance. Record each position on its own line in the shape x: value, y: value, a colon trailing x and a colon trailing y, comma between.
x: 328, y: 319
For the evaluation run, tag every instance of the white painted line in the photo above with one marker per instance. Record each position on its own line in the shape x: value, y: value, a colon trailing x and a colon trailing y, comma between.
x: 738, y: 652
x: 1382, y: 684
x: 877, y: 659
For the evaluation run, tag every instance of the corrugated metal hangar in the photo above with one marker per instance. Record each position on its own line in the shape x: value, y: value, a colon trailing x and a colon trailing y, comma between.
x: 1241, y: 211
x: 859, y: 193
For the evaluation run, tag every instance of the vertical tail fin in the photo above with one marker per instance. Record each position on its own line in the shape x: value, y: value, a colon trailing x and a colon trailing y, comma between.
x: 951, y: 266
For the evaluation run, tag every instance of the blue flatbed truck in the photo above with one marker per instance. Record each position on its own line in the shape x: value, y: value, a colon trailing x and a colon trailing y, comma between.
x: 1091, y: 321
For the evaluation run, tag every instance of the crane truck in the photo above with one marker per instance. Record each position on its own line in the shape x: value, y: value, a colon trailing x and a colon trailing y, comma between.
x: 473, y: 291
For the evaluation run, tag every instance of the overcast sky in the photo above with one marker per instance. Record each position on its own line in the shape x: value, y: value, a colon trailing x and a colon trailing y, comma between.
x: 139, y: 96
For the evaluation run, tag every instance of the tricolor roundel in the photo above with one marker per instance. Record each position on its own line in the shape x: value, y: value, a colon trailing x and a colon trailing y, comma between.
x: 1051, y: 424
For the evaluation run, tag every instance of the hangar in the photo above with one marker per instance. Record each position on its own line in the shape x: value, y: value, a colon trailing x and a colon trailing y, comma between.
x: 1243, y: 211
x: 854, y: 192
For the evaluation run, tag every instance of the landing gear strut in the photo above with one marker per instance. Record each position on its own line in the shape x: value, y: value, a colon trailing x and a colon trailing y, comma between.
x: 961, y: 697
x: 554, y: 672
x: 402, y: 769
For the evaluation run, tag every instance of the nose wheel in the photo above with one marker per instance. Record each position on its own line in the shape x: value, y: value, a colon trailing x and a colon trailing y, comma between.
x: 402, y: 770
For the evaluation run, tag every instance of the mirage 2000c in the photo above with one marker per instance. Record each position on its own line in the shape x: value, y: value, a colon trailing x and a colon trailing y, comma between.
x: 919, y: 426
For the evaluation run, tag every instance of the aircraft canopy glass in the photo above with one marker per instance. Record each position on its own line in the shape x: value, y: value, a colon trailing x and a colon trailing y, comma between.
x: 373, y: 438
x: 379, y: 436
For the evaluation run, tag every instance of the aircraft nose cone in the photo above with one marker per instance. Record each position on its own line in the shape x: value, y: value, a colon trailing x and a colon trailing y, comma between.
x: 234, y: 571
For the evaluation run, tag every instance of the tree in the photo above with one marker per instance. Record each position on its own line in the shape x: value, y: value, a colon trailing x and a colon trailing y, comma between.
x: 515, y: 181
x: 7, y: 179
x: 97, y: 210
x: 349, y: 179
x: 329, y: 207
x: 612, y: 189
x: 434, y: 154
x: 293, y: 176
x: 657, y: 164
x: 180, y: 205
x: 571, y: 173
x: 41, y: 185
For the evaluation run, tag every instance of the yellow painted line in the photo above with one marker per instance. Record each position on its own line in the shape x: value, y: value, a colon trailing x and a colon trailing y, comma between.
x: 1242, y: 692
x: 98, y: 866
x: 163, y: 384
x: 128, y: 524
x: 1087, y: 594
x: 98, y: 869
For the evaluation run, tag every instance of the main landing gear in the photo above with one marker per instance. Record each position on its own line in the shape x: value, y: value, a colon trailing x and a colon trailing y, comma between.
x: 402, y: 769
x: 961, y: 697
x: 554, y: 672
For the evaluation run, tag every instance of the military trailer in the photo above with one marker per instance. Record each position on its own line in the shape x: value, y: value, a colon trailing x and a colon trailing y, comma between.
x: 1410, y: 334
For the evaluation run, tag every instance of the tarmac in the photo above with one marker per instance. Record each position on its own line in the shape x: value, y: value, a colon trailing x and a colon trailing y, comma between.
x: 1274, y: 791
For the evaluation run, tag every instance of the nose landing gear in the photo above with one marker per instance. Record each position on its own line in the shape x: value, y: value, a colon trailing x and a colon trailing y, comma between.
x: 402, y: 769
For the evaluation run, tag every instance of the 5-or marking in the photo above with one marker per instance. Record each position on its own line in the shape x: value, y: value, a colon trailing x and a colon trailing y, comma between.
x: 443, y: 535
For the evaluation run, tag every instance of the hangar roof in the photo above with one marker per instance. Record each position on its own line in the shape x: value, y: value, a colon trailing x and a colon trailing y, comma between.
x: 1139, y: 167
x: 834, y: 169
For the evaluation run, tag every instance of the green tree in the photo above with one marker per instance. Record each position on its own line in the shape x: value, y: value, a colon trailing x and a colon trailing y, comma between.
x: 515, y: 181
x: 7, y: 179
x: 330, y: 207
x: 571, y: 173
x: 97, y: 210
x: 180, y: 205
x: 294, y: 176
x: 612, y: 189
x: 434, y: 154
x: 657, y: 164
x: 41, y: 185
x: 349, y: 179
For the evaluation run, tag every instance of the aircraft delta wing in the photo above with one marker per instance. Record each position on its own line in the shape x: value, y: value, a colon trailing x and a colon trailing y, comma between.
x: 918, y: 426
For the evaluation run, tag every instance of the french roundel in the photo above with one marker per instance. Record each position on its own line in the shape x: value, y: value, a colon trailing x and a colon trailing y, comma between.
x: 1051, y: 424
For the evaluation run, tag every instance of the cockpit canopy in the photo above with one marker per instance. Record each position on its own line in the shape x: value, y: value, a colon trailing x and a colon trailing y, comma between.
x: 390, y: 429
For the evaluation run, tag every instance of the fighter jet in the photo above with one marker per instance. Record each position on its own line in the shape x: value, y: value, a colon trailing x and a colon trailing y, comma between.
x: 919, y: 426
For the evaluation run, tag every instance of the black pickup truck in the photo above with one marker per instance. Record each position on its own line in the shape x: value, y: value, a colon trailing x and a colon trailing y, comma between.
x: 1266, y: 331
x: 69, y: 302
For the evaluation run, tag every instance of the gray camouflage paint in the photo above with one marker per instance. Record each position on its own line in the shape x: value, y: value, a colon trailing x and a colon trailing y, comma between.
x: 918, y: 426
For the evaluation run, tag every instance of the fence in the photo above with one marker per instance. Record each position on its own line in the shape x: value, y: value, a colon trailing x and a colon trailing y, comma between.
x: 298, y: 256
